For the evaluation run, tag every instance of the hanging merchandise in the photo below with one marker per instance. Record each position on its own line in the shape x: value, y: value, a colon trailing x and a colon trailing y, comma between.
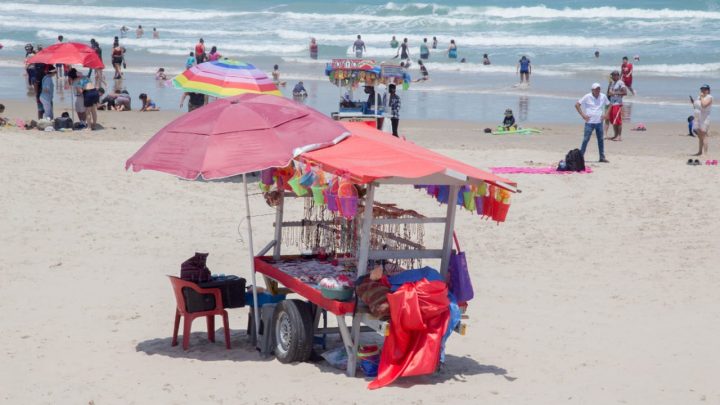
x: 460, y: 282
x: 331, y: 195
x: 267, y: 176
x: 469, y: 199
x: 294, y: 183
x: 489, y: 202
x: 502, y: 206
x: 347, y: 197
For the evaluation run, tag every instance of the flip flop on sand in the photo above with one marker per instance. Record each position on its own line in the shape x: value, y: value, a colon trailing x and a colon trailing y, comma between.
x: 690, y: 162
x: 696, y: 162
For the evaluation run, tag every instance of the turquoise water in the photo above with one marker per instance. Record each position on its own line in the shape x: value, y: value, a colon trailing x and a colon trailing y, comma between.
x: 674, y: 40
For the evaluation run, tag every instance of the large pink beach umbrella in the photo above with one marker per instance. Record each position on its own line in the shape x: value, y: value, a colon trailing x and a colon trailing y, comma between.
x: 237, y: 135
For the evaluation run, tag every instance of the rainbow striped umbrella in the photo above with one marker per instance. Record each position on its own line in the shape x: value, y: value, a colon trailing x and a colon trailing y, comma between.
x: 225, y: 78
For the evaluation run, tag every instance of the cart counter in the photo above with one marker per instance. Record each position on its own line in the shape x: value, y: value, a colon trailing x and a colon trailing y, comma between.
x: 302, y: 277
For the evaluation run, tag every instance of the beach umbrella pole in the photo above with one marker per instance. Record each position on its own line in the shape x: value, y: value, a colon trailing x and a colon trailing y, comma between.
x: 256, y: 309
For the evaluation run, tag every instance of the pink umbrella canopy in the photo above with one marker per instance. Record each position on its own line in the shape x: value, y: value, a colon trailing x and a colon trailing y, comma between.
x: 236, y: 135
x: 69, y: 53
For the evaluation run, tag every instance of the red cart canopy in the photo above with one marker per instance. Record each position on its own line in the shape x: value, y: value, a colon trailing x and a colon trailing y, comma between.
x: 371, y: 155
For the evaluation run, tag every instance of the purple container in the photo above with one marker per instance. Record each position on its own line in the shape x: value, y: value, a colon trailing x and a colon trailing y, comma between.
x: 479, y: 205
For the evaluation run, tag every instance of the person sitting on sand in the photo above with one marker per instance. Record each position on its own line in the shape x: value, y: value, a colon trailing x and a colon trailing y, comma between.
x: 3, y: 121
x: 107, y: 102
x: 122, y: 101
x: 276, y: 76
x: 509, y: 121
x: 148, y: 104
x: 160, y: 74
x: 299, y: 90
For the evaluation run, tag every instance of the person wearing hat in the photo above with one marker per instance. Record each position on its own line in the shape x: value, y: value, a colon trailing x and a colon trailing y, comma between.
x: 616, y: 91
x: 509, y: 121
x: 701, y: 123
x: 590, y: 107
x: 47, y: 89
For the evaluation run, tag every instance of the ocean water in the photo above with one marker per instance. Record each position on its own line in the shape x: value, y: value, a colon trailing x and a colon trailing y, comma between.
x: 674, y: 40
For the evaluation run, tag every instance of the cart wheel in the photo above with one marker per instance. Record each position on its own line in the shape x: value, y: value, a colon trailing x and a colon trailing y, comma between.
x: 292, y: 323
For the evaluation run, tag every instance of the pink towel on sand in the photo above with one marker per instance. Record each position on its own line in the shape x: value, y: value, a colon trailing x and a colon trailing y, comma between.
x: 533, y: 170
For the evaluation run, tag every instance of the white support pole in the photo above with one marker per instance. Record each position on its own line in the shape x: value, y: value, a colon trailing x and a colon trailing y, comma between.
x: 449, y: 228
x: 365, y: 233
x: 256, y: 309
x: 278, y: 223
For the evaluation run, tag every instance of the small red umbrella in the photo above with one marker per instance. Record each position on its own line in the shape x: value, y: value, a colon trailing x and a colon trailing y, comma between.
x: 69, y: 53
x: 236, y: 135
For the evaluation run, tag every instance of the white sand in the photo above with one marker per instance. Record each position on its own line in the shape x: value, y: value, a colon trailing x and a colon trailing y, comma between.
x: 600, y: 288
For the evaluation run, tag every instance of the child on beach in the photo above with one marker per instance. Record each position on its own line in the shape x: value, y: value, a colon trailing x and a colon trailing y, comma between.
x: 423, y: 72
x: 160, y: 74
x: 276, y: 76
x: 3, y: 121
x: 509, y: 121
x: 148, y: 104
x: 190, y: 62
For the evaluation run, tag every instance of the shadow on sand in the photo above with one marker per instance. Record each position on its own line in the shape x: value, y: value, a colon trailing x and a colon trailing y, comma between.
x: 455, y: 368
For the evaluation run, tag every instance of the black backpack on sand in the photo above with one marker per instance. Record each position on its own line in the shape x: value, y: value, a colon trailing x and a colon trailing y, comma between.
x: 574, y: 161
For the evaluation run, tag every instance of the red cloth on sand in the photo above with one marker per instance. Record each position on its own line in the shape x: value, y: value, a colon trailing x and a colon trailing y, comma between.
x: 419, y: 314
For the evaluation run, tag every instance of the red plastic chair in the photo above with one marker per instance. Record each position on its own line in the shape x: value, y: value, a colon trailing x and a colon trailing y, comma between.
x: 181, y: 311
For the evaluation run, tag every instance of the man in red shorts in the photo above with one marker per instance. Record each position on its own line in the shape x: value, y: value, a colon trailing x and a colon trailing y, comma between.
x: 627, y: 74
x: 616, y: 91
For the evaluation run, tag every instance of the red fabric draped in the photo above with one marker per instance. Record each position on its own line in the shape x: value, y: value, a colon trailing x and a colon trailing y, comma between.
x: 419, y: 315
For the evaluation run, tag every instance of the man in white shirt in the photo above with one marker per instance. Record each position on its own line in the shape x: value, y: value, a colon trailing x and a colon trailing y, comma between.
x: 591, y: 107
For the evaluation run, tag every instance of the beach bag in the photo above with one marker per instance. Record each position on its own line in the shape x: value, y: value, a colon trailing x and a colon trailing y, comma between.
x: 374, y: 295
x: 460, y: 283
x: 194, y: 268
x: 63, y: 123
x: 574, y: 161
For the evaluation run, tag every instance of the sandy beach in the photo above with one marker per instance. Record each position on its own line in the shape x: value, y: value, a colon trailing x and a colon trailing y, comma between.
x: 600, y: 288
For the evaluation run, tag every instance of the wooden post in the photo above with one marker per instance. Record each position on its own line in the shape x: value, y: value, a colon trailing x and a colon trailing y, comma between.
x: 449, y: 227
x: 278, y: 223
x: 365, y: 233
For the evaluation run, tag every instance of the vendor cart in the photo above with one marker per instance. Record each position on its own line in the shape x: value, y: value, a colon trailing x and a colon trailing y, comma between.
x: 350, y: 74
x: 370, y: 160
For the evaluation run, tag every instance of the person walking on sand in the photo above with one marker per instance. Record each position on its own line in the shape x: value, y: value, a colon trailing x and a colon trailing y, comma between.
x: 627, y: 74
x: 200, y: 56
x: 701, y: 123
x: 117, y: 59
x: 394, y: 104
x: 590, y: 107
x: 616, y: 91
x: 359, y: 47
x: 524, y: 69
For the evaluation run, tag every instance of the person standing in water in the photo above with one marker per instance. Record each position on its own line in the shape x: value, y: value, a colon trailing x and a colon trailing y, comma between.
x: 701, y: 123
x: 434, y: 44
x: 486, y: 59
x: 627, y: 73
x: 452, y: 50
x: 394, y: 43
x: 139, y: 32
x: 359, y: 47
x: 404, y: 51
x: 424, y: 50
x: 200, y: 56
x: 156, y: 33
x: 313, y: 49
x: 524, y: 69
